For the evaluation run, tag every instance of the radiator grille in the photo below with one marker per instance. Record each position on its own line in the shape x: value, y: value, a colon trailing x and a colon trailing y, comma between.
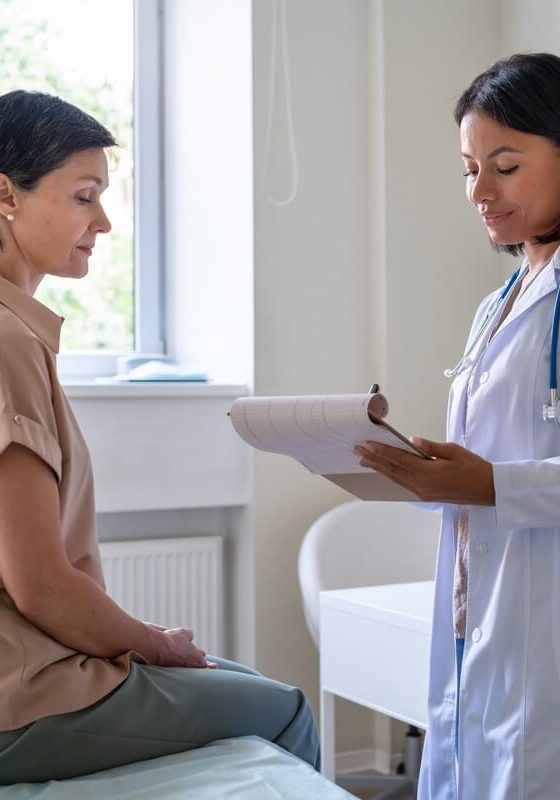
x: 173, y: 582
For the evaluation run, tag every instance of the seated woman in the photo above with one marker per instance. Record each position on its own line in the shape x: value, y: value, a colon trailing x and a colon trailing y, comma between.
x: 85, y: 686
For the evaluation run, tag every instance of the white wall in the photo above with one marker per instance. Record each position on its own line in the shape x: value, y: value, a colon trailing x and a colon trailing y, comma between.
x: 357, y: 279
x: 529, y: 26
x: 430, y: 261
x: 371, y: 274
x: 438, y: 262
x: 310, y: 287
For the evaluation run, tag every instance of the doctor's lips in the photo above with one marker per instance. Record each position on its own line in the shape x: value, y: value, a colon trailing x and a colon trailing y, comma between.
x: 494, y: 217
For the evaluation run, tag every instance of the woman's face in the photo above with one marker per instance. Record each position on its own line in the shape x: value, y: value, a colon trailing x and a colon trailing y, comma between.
x: 513, y: 179
x: 56, y: 224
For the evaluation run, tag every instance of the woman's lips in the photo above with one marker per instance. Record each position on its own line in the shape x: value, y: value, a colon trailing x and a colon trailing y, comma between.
x: 87, y: 250
x: 491, y: 220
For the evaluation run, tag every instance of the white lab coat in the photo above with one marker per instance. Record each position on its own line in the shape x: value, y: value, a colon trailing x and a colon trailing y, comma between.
x: 510, y: 682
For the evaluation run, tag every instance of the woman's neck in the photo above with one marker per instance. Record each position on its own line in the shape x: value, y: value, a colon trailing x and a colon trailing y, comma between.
x: 20, y: 275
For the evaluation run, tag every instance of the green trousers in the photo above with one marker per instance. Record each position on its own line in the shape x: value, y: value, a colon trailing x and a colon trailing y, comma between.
x: 158, y: 711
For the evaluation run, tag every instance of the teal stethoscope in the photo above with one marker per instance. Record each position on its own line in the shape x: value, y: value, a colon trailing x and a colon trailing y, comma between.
x: 549, y: 411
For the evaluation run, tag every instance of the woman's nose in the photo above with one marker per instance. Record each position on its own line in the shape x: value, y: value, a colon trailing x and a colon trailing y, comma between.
x: 102, y: 222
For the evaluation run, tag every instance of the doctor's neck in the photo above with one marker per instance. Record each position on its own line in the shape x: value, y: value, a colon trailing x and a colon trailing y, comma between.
x: 539, y: 254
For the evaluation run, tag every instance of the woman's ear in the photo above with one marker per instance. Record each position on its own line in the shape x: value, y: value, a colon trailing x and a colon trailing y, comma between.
x: 8, y: 196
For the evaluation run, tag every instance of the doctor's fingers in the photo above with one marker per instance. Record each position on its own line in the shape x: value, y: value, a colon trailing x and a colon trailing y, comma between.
x: 377, y: 456
x: 402, y: 477
x: 445, y: 450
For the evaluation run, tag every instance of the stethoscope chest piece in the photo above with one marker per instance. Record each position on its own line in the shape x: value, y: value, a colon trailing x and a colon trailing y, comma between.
x: 551, y: 411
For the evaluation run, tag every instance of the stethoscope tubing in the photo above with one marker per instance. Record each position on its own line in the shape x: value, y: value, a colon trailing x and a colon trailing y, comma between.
x: 463, y: 363
x: 554, y: 343
x: 549, y: 412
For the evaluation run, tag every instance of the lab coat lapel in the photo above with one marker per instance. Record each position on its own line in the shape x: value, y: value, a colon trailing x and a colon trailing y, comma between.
x: 543, y: 285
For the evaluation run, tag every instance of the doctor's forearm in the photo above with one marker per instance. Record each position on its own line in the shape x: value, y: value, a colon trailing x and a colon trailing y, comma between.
x: 528, y: 493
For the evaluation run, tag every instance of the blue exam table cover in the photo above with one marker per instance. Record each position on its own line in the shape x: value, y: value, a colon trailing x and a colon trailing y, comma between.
x: 246, y: 768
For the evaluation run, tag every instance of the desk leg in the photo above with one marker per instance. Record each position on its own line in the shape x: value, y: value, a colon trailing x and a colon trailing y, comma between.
x: 327, y: 735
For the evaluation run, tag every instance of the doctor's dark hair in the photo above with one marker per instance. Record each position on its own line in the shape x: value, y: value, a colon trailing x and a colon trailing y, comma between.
x: 39, y: 132
x: 520, y: 92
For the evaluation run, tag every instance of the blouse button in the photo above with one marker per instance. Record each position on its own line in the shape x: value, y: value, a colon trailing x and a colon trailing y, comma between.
x: 484, y: 376
x: 18, y: 419
x: 476, y: 635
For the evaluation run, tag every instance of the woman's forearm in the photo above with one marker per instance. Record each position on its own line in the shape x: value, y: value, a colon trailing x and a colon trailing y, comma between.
x: 79, y: 614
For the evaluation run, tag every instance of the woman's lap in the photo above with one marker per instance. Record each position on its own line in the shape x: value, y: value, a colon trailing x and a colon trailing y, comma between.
x: 159, y: 711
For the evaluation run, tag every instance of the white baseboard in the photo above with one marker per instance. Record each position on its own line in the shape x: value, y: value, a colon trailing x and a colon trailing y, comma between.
x: 366, y: 759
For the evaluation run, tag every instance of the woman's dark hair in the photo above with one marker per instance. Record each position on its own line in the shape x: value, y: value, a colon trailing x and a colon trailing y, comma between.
x: 520, y: 92
x: 39, y: 132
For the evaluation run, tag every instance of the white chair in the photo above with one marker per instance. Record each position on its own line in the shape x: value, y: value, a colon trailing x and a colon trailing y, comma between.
x: 366, y: 544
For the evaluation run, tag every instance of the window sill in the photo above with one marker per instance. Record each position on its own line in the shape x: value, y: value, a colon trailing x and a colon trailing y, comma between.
x: 93, y: 389
x: 153, y: 445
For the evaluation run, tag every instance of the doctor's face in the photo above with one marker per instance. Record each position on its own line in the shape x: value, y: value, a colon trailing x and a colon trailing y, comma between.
x: 513, y: 179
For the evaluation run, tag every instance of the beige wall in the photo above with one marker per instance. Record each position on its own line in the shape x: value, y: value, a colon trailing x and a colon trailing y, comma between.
x: 529, y: 25
x: 357, y: 280
x: 310, y: 282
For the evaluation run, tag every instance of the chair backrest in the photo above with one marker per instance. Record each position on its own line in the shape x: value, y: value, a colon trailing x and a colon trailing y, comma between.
x: 365, y: 544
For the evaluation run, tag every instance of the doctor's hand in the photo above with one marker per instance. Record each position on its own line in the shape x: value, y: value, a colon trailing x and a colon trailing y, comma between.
x: 453, y: 475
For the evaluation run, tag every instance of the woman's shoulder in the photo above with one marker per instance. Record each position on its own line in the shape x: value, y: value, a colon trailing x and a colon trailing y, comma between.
x: 27, y: 377
x: 16, y: 335
x: 24, y: 357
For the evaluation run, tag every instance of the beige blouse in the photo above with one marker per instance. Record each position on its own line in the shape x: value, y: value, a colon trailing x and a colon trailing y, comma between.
x: 38, y: 675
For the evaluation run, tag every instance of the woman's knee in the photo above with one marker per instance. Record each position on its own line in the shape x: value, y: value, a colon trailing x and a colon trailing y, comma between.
x: 233, y: 666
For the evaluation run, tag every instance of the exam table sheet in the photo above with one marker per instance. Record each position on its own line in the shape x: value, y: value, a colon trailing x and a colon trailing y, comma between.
x: 231, y: 769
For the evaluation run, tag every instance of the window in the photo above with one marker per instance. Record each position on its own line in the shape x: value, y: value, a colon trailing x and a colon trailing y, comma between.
x: 84, y: 51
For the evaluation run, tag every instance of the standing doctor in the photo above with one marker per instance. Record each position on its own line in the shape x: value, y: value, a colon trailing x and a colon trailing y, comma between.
x: 494, y: 698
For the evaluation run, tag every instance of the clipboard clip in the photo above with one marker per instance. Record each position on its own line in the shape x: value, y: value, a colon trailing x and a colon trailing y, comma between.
x: 378, y: 405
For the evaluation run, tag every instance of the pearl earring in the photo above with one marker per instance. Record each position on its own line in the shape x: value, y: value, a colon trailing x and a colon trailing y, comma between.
x: 10, y: 217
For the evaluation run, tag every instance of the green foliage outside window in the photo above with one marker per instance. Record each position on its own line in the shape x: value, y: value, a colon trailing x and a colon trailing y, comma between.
x: 67, y: 48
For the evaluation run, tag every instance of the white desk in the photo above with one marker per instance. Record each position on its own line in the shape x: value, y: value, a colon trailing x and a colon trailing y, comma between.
x: 375, y: 651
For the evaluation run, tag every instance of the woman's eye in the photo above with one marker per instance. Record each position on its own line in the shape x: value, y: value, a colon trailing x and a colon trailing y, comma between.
x: 507, y: 171
x: 84, y: 200
x: 469, y: 173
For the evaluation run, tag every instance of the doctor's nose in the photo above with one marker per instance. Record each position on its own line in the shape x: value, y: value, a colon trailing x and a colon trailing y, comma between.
x: 482, y: 189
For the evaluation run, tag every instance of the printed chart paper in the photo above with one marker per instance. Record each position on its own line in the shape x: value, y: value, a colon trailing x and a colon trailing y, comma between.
x: 320, y: 431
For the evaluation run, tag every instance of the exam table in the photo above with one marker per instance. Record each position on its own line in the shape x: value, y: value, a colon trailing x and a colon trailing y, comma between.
x: 246, y: 768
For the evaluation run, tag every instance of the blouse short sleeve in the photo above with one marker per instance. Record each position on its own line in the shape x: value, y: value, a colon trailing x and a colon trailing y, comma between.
x: 27, y: 415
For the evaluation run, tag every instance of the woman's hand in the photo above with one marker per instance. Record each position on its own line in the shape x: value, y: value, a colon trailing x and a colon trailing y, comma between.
x: 180, y: 650
x: 453, y: 475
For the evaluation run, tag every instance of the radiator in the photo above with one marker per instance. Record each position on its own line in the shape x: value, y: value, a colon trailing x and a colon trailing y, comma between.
x: 173, y: 582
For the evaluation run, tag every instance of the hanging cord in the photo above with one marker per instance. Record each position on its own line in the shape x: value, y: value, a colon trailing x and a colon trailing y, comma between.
x: 280, y: 5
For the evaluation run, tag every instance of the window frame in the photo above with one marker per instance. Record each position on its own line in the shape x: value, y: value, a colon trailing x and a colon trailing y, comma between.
x: 148, y: 245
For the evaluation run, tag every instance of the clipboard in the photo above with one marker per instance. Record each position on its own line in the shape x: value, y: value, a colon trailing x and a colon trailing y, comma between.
x: 320, y: 432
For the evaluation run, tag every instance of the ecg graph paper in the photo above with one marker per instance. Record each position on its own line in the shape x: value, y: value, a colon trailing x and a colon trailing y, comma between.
x: 319, y: 431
